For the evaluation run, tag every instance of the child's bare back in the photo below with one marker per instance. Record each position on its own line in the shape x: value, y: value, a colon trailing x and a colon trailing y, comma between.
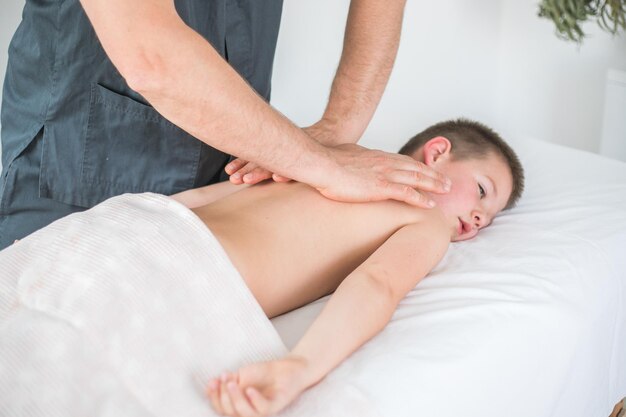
x: 293, y: 246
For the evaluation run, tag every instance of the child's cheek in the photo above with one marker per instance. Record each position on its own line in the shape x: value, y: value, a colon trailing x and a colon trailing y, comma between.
x: 465, y: 195
x: 461, y: 198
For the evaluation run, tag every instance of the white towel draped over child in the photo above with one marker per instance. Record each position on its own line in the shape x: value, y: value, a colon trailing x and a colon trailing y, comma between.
x: 128, y: 309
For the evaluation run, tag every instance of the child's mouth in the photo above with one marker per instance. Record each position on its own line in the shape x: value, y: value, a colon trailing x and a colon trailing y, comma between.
x: 463, y: 227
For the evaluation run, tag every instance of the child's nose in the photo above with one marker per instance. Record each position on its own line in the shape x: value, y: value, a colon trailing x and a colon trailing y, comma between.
x: 477, y: 219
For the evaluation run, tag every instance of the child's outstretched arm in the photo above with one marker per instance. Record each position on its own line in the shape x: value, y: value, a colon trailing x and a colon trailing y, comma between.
x: 360, y: 308
x: 365, y: 301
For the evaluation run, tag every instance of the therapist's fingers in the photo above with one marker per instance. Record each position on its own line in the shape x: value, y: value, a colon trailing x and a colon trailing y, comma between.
x: 257, y: 175
x: 250, y: 173
x: 390, y: 165
x: 419, y: 180
x: 238, y: 168
x: 234, y: 166
x: 409, y: 195
x: 438, y: 182
x: 365, y: 175
x: 419, y: 175
x: 237, y: 176
x: 280, y: 178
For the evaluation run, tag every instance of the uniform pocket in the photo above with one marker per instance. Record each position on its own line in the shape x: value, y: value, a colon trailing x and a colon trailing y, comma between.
x: 130, y: 147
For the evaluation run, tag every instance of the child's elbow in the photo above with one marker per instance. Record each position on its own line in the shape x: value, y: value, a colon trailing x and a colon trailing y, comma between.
x: 386, y: 293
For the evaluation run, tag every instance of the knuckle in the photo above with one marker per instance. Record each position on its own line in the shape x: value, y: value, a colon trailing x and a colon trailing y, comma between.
x: 379, y: 158
x: 384, y: 171
x: 382, y: 183
x: 407, y: 191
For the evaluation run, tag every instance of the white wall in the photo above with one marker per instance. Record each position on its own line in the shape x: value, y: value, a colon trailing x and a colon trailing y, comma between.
x: 493, y: 60
x: 9, y: 19
x: 439, y: 73
x: 548, y: 88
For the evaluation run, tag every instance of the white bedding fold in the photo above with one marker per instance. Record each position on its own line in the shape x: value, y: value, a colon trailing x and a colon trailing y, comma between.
x: 128, y: 309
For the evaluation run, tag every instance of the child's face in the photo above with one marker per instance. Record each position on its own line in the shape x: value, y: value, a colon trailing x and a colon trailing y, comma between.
x: 480, y: 189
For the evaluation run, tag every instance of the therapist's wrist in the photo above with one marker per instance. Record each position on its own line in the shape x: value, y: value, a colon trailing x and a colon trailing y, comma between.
x: 332, y: 131
x: 314, y: 163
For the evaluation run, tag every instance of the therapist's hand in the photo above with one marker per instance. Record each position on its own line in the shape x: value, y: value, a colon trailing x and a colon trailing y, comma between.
x: 362, y: 175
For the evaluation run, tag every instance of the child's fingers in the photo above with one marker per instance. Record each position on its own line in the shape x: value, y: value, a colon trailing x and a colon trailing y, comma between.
x: 240, y: 403
x: 213, y: 390
x: 224, y: 398
x: 259, y: 402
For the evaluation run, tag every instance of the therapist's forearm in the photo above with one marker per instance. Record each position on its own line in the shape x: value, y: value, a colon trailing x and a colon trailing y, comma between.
x: 359, y: 309
x: 186, y: 80
x: 370, y: 47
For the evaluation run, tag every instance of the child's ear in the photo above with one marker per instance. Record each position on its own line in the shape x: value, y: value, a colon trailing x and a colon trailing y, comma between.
x: 436, y: 150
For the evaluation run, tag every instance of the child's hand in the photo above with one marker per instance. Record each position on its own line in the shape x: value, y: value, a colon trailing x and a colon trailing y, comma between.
x: 261, y: 389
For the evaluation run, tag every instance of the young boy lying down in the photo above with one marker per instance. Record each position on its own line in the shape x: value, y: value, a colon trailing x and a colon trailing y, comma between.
x: 293, y: 246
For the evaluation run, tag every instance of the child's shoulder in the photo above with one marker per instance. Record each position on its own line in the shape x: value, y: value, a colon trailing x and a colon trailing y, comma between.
x: 410, y: 253
x: 433, y: 221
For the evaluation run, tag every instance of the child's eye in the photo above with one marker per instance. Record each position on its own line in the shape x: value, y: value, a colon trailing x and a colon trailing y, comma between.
x: 481, y: 190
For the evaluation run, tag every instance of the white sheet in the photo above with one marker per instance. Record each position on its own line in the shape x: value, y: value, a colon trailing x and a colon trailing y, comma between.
x: 128, y: 309
x: 526, y: 320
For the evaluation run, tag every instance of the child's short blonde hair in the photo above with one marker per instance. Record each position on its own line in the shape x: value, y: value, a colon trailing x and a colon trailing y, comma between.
x: 471, y: 139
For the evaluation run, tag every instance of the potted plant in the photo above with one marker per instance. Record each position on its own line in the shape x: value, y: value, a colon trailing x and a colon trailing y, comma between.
x: 568, y: 15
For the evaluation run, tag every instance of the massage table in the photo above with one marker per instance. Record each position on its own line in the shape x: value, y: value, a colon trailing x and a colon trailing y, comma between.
x: 526, y: 320
x: 129, y: 308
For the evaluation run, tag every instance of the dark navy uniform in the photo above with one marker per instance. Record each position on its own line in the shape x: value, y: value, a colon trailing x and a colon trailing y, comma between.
x: 74, y: 133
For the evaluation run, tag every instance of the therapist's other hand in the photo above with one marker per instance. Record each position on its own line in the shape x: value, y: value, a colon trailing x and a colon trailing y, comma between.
x: 260, y: 389
x: 245, y: 172
x: 362, y: 175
